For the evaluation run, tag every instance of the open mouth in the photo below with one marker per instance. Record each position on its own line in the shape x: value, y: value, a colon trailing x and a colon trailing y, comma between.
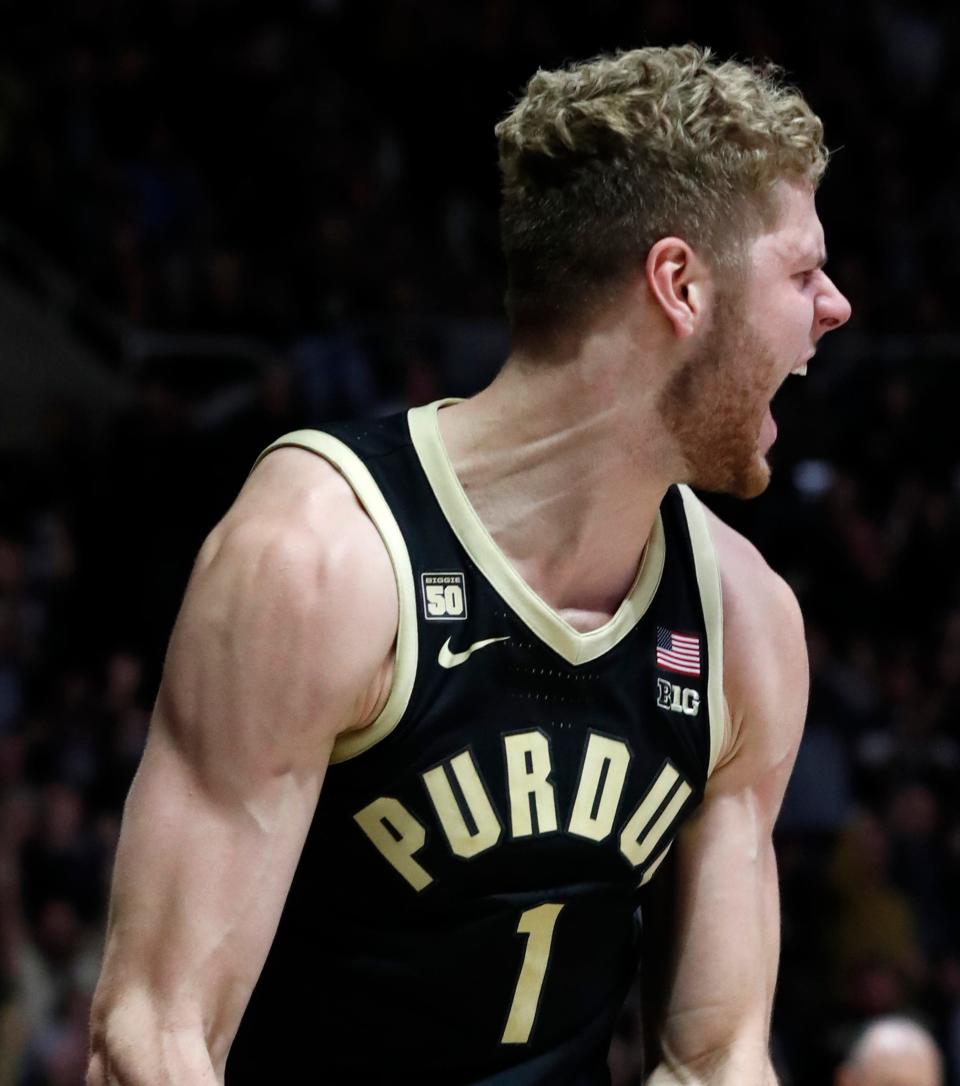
x: 768, y: 427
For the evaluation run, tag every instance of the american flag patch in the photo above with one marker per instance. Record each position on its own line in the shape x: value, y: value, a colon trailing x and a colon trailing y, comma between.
x: 678, y: 652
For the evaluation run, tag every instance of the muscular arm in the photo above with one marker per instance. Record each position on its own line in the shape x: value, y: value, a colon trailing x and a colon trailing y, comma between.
x: 716, y: 1030
x: 266, y: 667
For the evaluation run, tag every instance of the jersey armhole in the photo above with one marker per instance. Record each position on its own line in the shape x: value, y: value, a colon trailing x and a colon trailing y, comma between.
x: 361, y: 482
x: 711, y: 600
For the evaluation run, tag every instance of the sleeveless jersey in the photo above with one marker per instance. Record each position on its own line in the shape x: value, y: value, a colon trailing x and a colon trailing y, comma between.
x: 464, y: 909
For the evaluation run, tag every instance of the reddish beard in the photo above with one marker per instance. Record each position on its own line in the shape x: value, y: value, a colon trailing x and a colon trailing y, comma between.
x: 714, y: 405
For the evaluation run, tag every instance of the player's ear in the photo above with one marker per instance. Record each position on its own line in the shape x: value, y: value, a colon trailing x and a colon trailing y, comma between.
x: 679, y: 283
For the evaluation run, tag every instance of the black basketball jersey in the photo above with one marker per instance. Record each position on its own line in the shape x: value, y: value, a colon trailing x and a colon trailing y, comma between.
x: 464, y: 910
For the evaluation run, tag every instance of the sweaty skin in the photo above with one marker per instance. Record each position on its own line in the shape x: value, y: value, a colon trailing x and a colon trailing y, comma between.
x: 285, y: 640
x: 254, y: 692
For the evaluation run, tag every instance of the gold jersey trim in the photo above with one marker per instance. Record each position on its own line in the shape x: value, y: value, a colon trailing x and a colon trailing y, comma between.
x: 355, y: 472
x: 575, y: 647
x: 711, y: 599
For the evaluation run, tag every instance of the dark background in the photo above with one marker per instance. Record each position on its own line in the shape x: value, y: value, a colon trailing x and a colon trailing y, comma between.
x: 220, y: 221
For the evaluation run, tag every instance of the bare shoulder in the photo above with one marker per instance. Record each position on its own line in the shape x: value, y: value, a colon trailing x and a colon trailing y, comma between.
x: 755, y: 598
x: 298, y: 496
x: 291, y: 609
x: 301, y: 525
x: 764, y: 656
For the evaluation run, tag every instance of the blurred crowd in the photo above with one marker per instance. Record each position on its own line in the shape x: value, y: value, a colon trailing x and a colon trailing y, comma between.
x: 322, y: 175
x: 864, y: 520
x: 278, y: 168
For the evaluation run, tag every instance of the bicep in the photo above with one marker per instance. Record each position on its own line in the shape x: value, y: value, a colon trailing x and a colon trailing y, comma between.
x: 262, y: 675
x: 727, y: 932
x: 199, y: 884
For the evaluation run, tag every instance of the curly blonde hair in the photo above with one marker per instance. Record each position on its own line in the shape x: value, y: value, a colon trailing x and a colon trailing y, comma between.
x: 601, y: 159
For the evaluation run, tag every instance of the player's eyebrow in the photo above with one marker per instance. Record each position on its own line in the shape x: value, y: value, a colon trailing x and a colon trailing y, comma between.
x: 812, y: 258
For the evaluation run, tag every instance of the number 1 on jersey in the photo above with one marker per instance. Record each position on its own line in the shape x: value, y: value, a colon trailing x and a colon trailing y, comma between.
x: 537, y: 924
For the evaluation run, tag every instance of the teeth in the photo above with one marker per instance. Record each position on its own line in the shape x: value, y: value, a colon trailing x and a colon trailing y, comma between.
x: 800, y: 371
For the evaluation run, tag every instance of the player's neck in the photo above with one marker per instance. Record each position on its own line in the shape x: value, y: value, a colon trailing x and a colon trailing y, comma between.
x: 566, y: 466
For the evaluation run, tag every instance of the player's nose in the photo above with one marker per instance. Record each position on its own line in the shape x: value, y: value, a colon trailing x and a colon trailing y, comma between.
x: 832, y: 307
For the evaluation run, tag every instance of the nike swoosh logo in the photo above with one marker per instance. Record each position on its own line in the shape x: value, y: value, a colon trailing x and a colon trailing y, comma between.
x: 454, y: 659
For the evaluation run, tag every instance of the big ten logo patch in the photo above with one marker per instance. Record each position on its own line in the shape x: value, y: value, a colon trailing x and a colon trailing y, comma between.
x: 444, y: 595
x: 678, y: 699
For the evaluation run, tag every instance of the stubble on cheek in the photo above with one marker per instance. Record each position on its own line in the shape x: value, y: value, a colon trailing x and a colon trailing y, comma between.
x: 714, y: 406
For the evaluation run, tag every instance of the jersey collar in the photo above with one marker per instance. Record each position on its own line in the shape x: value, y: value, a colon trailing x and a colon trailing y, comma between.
x: 575, y: 647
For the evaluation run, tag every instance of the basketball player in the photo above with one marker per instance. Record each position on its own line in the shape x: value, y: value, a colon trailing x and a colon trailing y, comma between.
x: 892, y: 1052
x: 445, y: 686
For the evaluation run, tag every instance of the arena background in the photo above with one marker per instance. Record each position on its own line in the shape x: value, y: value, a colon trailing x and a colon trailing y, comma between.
x: 220, y: 221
